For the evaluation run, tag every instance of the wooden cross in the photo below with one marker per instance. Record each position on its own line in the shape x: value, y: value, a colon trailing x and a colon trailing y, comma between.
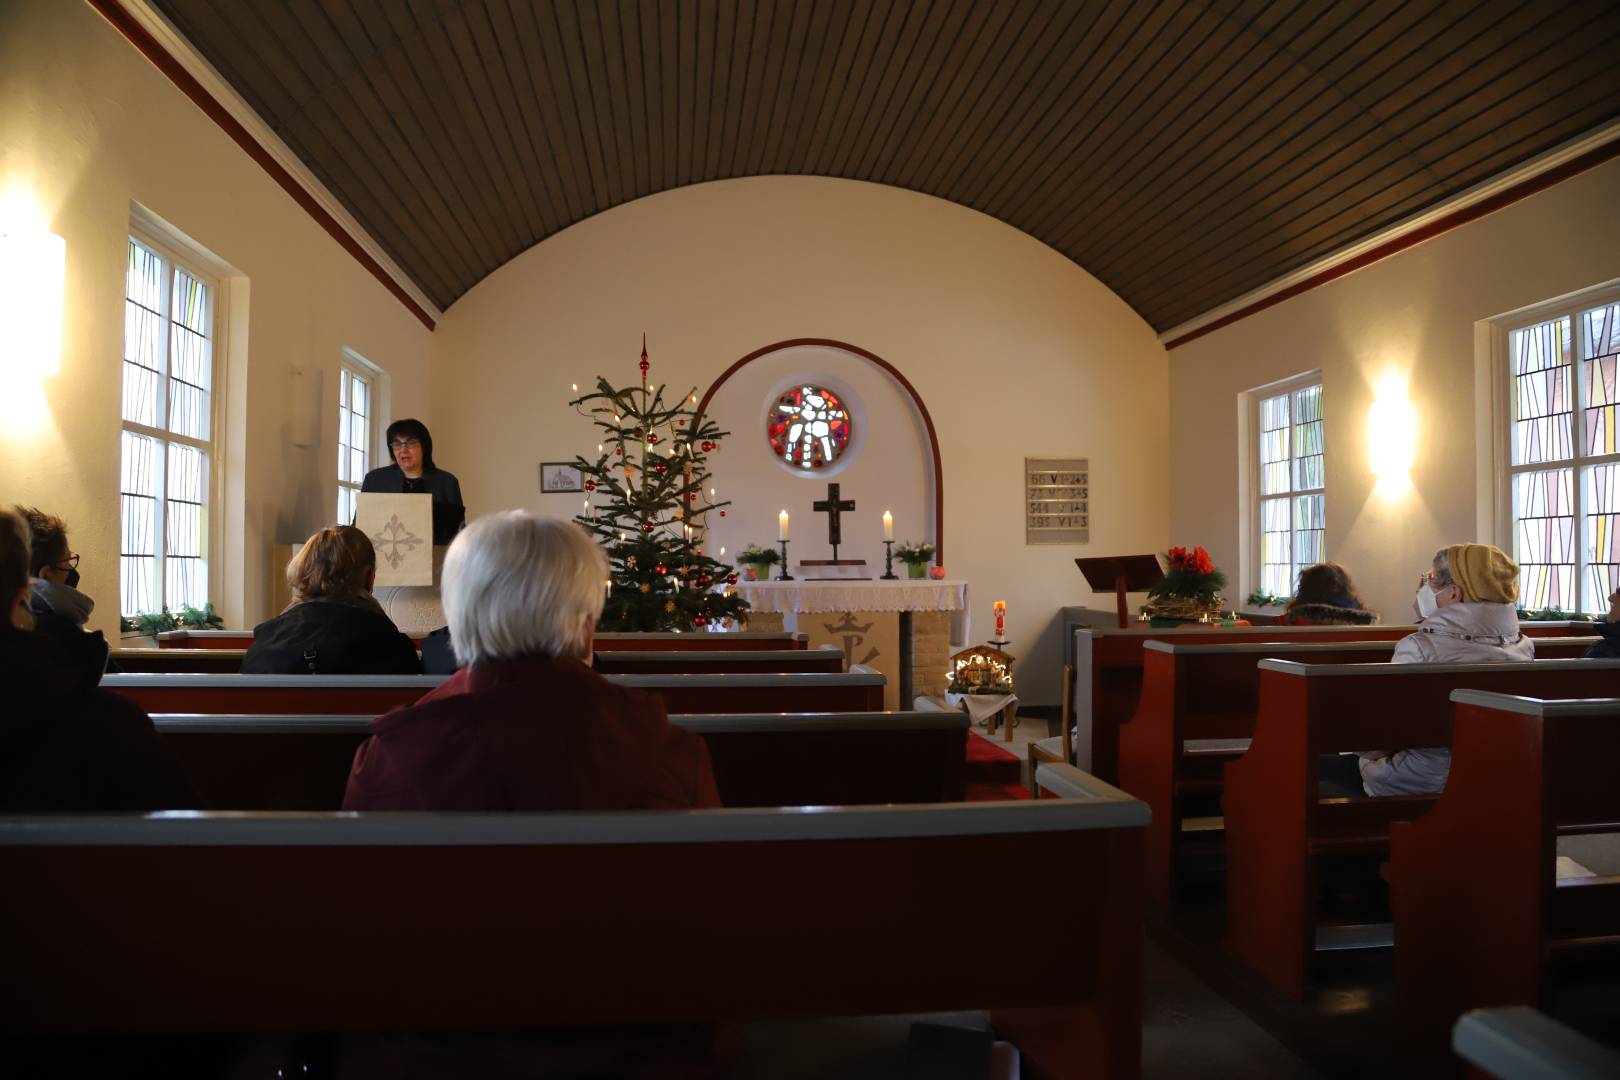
x: 832, y: 506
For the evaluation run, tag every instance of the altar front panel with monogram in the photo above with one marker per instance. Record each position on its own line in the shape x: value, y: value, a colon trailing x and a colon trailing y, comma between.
x: 401, y: 529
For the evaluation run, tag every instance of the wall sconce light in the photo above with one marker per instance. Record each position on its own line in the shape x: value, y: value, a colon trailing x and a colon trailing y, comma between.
x: 32, y: 266
x: 1391, y: 435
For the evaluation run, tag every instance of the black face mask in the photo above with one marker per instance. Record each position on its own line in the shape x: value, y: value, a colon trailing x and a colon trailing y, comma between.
x: 72, y: 581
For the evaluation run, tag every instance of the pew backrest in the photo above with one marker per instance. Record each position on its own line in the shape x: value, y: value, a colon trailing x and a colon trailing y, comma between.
x: 719, y: 903
x: 616, y: 641
x: 190, y: 661
x: 859, y: 689
x: 1521, y: 1043
x: 272, y: 762
x: 649, y: 661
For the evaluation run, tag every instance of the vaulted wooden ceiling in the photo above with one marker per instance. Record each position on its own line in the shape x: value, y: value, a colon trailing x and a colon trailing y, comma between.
x: 1182, y: 152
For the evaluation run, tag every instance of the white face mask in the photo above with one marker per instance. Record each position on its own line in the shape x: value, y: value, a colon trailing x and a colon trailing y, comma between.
x: 1426, y: 603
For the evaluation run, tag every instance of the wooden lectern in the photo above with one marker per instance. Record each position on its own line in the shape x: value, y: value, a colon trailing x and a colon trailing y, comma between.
x: 1121, y: 574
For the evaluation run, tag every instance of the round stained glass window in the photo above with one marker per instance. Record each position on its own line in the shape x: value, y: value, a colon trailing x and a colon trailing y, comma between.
x: 809, y: 427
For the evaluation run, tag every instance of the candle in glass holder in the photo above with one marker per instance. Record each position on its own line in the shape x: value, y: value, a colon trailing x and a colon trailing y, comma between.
x: 1001, y: 620
x: 782, y: 525
x: 888, y: 525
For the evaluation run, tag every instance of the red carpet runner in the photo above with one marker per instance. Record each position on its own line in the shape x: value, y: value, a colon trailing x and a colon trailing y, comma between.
x: 992, y: 773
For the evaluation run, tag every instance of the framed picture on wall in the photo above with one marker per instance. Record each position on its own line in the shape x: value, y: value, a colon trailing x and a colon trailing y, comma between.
x: 559, y: 477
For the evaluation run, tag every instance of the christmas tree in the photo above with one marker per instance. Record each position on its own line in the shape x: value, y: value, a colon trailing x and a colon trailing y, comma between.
x: 647, y: 498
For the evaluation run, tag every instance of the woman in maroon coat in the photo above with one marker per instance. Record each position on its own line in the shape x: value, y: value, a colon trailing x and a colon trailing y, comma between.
x: 526, y: 724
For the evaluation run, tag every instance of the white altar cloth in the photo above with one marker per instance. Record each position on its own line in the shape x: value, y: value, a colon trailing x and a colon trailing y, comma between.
x: 792, y: 598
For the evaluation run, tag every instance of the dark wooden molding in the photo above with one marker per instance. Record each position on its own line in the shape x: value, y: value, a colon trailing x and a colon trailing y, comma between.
x: 125, y: 23
x: 1490, y: 205
x: 894, y: 373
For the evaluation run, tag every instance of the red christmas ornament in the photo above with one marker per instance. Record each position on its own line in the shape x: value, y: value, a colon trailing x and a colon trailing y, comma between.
x: 700, y: 620
x: 707, y: 446
x: 682, y: 423
x: 618, y: 450
x: 661, y: 570
x: 659, y: 468
x: 703, y: 581
x: 646, y: 527
x: 653, y: 438
x: 731, y: 579
x: 722, y: 513
x: 590, y: 485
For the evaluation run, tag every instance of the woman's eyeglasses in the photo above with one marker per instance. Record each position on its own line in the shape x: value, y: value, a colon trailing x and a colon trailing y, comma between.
x: 69, y: 563
x: 405, y: 444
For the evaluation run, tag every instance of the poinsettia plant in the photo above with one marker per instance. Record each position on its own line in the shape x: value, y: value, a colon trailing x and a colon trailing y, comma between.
x: 1192, y: 574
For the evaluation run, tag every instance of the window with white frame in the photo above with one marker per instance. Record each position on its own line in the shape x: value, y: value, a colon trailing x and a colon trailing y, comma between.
x: 1292, y: 483
x: 165, y: 486
x: 1564, y: 463
x: 355, y: 397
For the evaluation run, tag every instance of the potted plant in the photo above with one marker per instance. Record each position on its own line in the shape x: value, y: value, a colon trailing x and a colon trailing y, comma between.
x: 1190, y: 591
x: 757, y: 561
x: 916, y: 557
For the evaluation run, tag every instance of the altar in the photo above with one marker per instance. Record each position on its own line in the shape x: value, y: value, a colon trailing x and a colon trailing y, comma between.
x: 795, y: 599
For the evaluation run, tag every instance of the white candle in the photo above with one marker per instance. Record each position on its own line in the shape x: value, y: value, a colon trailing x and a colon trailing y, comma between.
x: 888, y: 525
x: 782, y: 525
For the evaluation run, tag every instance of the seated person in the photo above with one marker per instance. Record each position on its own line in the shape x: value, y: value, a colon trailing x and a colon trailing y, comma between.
x: 1609, y: 631
x: 1325, y: 596
x: 334, y: 626
x: 65, y: 743
x: 1467, y: 615
x: 526, y: 724
x: 60, y: 609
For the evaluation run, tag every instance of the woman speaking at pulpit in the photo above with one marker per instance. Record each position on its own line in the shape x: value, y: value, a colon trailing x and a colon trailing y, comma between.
x: 413, y: 472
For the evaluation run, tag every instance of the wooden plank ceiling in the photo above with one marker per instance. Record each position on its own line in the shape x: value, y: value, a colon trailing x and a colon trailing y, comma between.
x: 1182, y: 152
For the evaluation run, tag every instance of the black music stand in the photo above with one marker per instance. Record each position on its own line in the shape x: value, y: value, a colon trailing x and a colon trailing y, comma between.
x: 1120, y: 574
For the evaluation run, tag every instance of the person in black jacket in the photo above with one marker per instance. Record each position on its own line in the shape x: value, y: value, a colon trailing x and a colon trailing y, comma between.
x: 65, y: 743
x: 60, y: 609
x: 334, y: 626
x: 413, y: 472
x: 1609, y: 631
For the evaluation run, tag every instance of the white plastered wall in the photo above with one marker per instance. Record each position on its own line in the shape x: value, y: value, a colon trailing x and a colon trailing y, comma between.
x: 1413, y: 316
x: 88, y: 128
x: 1016, y: 352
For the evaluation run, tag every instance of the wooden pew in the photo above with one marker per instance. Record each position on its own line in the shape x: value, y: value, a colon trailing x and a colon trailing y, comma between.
x: 224, y: 639
x: 1196, y: 714
x: 776, y: 759
x: 714, y: 661
x: 1278, y: 830
x: 219, y: 661
x: 1518, y: 1043
x: 858, y: 690
x: 724, y: 642
x: 1108, y: 669
x: 1481, y: 919
x: 753, y: 914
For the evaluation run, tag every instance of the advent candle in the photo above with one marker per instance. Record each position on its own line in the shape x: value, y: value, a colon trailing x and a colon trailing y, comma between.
x: 1001, y: 620
x: 782, y: 525
x: 888, y: 525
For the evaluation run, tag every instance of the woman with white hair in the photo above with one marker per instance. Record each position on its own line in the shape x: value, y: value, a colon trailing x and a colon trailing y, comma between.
x: 526, y: 724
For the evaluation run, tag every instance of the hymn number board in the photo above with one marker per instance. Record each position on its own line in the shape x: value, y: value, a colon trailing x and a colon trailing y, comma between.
x: 1057, y: 498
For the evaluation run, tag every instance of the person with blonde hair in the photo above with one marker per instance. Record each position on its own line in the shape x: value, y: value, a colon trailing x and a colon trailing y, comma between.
x: 1467, y: 614
x: 334, y: 626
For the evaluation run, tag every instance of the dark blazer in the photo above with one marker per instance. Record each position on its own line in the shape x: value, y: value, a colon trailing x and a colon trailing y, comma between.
x: 329, y: 637
x: 68, y: 745
x: 1609, y: 647
x: 530, y: 734
x: 449, y: 512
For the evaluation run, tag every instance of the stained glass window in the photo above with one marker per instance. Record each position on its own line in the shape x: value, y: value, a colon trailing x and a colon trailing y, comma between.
x: 809, y: 427
x: 1565, y: 463
x: 1293, y: 476
x: 167, y: 449
x: 354, y: 439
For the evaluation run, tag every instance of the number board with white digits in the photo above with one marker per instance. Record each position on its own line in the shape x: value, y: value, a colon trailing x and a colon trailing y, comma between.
x: 1057, y: 501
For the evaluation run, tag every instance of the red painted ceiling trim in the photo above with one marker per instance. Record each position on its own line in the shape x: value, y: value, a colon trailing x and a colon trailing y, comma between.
x: 1506, y: 197
x: 928, y: 421
x: 114, y: 12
